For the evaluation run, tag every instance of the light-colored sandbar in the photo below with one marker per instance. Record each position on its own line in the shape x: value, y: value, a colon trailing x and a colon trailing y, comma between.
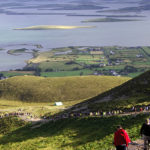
x: 48, y: 27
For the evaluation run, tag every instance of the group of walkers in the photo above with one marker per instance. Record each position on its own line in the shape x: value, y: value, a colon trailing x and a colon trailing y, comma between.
x: 122, y: 140
x: 78, y: 114
x: 16, y: 114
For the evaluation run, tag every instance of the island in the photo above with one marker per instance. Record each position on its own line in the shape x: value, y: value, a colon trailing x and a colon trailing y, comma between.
x: 49, y: 27
x: 109, y: 20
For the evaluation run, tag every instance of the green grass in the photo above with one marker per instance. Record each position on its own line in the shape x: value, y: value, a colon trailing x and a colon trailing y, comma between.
x: 37, y: 109
x: 82, y: 58
x: 58, y: 66
x: 67, y: 73
x: 147, y: 50
x: 132, y: 75
x: 120, y: 105
x: 90, y: 133
x: 9, y: 124
x: 16, y: 73
x: 40, y: 89
x: 72, y: 134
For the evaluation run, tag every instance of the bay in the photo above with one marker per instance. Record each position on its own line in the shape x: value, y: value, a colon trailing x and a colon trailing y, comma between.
x: 134, y: 33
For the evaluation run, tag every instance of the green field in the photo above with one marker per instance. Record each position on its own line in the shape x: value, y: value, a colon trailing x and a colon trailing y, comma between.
x: 115, y: 60
x: 79, y: 60
x: 82, y: 72
x: 16, y: 73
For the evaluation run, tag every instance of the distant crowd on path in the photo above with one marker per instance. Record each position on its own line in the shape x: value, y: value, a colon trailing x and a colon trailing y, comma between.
x: 121, y: 138
x: 82, y: 114
x: 19, y: 113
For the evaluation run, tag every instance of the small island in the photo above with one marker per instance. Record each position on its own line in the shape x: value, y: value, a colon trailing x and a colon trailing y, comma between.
x: 49, y: 27
x: 109, y: 20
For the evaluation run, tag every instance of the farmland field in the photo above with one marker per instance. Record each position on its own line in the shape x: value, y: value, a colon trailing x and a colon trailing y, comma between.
x: 79, y: 60
x: 114, y: 60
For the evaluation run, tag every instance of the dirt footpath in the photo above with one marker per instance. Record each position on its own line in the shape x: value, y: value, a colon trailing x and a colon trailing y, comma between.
x: 136, y: 145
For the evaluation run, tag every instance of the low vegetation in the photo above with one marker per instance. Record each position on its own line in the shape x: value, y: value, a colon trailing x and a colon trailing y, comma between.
x: 72, y: 134
x: 9, y: 124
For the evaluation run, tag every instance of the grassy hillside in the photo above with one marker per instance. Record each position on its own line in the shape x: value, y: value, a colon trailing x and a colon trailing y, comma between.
x: 9, y: 124
x: 134, y: 92
x: 36, y: 109
x: 72, y: 134
x: 40, y: 89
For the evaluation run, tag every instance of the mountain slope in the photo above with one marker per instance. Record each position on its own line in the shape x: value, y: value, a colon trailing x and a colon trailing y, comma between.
x: 93, y: 133
x: 133, y: 92
x: 39, y: 89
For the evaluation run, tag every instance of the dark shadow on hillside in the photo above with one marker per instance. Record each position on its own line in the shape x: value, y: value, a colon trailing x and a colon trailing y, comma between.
x: 85, y: 129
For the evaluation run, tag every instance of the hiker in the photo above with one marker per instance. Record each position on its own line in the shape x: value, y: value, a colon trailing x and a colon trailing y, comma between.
x: 145, y: 133
x: 141, y: 109
x: 133, y: 109
x: 121, y: 139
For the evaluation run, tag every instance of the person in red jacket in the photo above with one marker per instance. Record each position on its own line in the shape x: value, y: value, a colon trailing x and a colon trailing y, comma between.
x: 121, y: 139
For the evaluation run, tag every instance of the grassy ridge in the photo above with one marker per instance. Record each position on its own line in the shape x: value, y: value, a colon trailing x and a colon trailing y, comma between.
x: 72, y: 134
x: 40, y: 89
x: 131, y: 93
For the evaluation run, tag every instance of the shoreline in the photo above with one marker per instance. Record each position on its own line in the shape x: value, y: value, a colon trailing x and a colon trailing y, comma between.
x: 38, y: 57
